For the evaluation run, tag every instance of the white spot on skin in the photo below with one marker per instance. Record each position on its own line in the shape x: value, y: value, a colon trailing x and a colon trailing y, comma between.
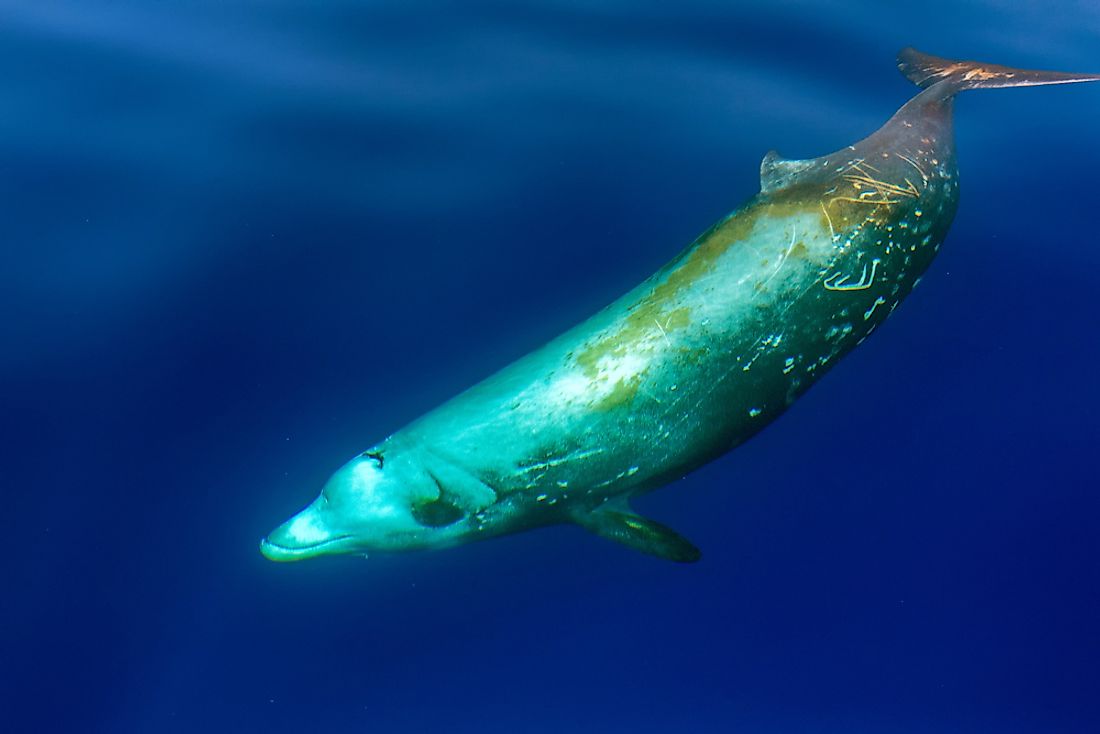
x: 878, y: 302
x: 364, y: 485
x: 307, y: 529
x: 753, y: 412
x: 574, y: 386
x: 614, y: 369
x: 838, y: 332
x: 571, y: 386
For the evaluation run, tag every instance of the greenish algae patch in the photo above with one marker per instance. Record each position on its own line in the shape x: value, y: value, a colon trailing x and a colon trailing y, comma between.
x: 677, y: 318
x: 658, y: 310
x: 622, y: 394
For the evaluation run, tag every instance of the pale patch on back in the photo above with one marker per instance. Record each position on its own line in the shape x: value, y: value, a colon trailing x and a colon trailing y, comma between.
x: 778, y: 259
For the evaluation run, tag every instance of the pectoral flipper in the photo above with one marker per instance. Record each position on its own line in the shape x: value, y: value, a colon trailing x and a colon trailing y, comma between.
x: 616, y: 521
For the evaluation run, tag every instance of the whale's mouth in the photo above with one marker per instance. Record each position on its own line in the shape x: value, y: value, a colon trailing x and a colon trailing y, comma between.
x: 276, y: 552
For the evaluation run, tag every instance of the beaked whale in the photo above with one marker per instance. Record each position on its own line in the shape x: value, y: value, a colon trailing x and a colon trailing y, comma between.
x: 689, y: 364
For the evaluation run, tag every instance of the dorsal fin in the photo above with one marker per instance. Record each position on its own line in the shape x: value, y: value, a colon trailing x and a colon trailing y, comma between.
x: 777, y: 172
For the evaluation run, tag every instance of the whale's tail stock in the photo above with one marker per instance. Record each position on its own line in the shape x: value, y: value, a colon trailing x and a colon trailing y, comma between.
x: 925, y: 70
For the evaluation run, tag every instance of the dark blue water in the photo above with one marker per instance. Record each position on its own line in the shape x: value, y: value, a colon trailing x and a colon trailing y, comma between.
x: 244, y: 240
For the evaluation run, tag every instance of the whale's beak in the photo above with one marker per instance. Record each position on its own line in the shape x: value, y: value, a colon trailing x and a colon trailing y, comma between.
x: 303, y: 536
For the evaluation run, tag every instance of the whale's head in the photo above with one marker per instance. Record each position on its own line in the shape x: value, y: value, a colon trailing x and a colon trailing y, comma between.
x: 381, y: 501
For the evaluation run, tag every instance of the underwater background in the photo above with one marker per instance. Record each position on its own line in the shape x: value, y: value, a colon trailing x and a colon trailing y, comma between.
x: 244, y: 240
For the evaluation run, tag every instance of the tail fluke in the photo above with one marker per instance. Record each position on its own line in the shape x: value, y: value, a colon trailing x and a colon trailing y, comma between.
x: 924, y: 70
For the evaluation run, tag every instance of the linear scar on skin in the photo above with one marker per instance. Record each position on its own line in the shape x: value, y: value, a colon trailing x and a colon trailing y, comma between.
x: 839, y: 281
x: 783, y: 259
x: 832, y: 230
x: 914, y: 164
x: 887, y: 193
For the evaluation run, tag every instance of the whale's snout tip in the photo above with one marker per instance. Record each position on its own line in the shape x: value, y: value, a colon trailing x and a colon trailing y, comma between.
x: 285, y: 543
x: 303, y: 536
x: 281, y: 545
x: 279, y: 550
x: 275, y: 552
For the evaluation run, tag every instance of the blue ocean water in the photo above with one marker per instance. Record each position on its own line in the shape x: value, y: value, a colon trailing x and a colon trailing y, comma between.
x: 244, y: 240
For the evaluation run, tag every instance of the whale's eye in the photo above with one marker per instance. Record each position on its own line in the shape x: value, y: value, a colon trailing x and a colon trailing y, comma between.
x: 375, y: 455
